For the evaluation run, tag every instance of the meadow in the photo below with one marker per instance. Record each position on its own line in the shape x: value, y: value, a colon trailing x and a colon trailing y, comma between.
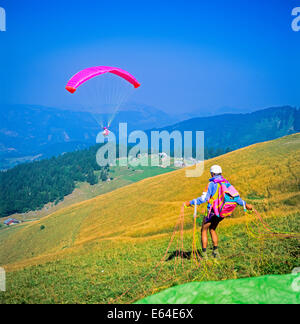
x: 112, y: 248
x: 120, y: 177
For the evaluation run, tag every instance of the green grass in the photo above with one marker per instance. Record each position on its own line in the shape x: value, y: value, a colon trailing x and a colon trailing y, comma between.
x: 141, y: 173
x: 94, y: 251
x: 100, y: 272
x: 255, y: 196
x: 293, y: 201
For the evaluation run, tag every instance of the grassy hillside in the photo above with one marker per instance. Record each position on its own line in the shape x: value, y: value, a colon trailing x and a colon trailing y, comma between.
x: 32, y: 186
x: 96, y: 250
x: 120, y: 177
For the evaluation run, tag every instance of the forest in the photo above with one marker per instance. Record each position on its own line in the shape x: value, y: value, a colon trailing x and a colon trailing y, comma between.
x: 30, y: 186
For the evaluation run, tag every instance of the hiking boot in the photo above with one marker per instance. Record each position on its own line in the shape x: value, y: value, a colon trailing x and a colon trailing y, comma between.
x: 216, y: 254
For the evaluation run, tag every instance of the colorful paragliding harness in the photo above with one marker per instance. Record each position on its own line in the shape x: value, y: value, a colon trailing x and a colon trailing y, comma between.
x: 224, y: 201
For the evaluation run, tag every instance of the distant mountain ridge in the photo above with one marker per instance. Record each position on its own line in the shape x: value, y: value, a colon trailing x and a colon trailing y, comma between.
x: 30, y: 132
x: 240, y: 130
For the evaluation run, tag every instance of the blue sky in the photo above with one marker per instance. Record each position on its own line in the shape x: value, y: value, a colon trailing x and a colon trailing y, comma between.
x: 188, y: 55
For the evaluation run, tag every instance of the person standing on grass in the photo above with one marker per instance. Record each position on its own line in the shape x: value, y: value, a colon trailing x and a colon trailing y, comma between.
x: 222, y: 199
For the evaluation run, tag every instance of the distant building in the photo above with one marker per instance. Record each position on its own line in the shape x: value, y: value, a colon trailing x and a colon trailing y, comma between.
x: 11, y: 221
x: 179, y: 164
x: 163, y: 155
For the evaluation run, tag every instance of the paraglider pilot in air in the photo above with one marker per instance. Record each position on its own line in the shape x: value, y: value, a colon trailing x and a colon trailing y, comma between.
x: 105, y: 131
x: 85, y: 75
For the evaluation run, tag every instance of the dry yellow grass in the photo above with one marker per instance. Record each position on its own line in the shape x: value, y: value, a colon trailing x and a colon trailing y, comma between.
x: 150, y: 207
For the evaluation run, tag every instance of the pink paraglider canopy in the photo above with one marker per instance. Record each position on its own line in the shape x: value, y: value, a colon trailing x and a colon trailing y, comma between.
x: 87, y: 74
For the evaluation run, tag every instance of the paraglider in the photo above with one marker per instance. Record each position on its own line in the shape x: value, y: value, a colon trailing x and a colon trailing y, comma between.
x: 87, y: 74
x: 107, y: 88
x: 105, y: 131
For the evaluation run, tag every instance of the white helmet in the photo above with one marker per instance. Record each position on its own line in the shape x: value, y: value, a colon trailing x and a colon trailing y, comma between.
x: 216, y: 169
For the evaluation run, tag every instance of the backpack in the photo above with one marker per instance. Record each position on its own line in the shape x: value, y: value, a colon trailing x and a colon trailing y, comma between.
x: 224, y: 201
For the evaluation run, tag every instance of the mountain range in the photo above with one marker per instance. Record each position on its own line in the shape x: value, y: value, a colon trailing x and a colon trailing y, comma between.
x: 29, y: 132
x: 239, y: 130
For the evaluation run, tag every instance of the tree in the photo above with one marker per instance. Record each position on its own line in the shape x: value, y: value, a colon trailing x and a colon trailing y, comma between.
x: 104, y: 175
x: 91, y: 178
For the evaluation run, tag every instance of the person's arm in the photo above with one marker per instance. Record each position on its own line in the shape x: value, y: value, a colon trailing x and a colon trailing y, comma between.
x: 200, y: 200
x: 241, y: 202
x: 204, y: 197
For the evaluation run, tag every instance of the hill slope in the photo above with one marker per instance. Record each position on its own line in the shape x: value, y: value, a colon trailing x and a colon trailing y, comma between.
x: 240, y: 130
x: 31, y: 186
x: 93, y: 251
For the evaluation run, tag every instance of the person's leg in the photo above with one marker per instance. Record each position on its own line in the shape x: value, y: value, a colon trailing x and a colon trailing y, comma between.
x: 204, y: 238
x: 212, y: 230
x: 214, y: 236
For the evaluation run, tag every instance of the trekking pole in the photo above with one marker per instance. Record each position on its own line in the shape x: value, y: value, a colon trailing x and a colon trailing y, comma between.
x: 194, y: 247
x: 195, y: 208
x: 245, y: 209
